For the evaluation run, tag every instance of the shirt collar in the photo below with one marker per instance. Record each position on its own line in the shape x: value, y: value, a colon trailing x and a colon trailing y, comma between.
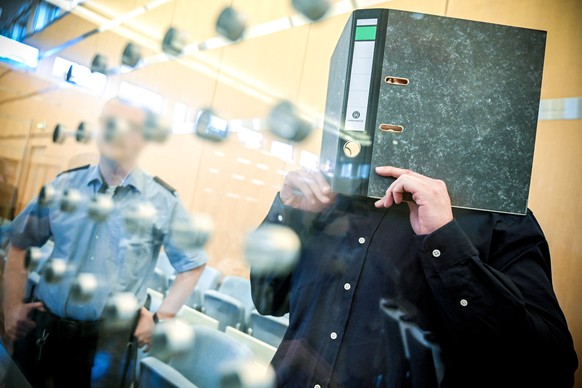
x: 135, y: 180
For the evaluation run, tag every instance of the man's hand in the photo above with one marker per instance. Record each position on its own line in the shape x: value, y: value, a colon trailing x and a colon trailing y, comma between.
x: 144, y: 330
x: 17, y: 323
x: 306, y: 190
x: 431, y: 208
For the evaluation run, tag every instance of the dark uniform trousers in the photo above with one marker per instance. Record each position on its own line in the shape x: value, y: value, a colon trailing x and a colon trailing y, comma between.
x: 61, y: 353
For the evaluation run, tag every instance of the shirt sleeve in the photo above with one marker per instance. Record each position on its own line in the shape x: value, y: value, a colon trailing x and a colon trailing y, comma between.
x: 271, y: 293
x: 503, y: 301
x: 183, y: 258
x: 31, y: 228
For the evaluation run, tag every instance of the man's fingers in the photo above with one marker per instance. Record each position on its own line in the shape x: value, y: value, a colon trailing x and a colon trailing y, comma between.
x: 20, y: 334
x: 386, y: 201
x: 299, y: 187
x: 305, y: 183
x: 22, y: 329
x: 395, y: 172
x: 398, y: 189
x: 34, y: 306
x: 398, y: 192
x: 321, y: 181
x: 410, y: 184
x: 26, y: 324
x: 315, y: 187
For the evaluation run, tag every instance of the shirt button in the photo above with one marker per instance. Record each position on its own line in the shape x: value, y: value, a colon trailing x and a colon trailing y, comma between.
x: 464, y: 302
x: 333, y: 335
x: 361, y: 240
x: 280, y: 218
x: 317, y: 386
x: 436, y: 253
x: 96, y: 237
x: 92, y: 258
x: 347, y: 286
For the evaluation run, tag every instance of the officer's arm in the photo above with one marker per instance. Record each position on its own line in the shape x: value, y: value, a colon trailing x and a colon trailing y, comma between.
x: 14, y: 278
x: 189, y: 263
x: 30, y: 228
x: 181, y: 289
x: 179, y: 292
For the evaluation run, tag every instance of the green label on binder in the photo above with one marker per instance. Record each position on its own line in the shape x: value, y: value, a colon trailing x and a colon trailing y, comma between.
x: 366, y: 33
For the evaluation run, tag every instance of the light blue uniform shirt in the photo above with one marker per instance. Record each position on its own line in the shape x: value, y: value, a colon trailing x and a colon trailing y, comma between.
x: 122, y: 262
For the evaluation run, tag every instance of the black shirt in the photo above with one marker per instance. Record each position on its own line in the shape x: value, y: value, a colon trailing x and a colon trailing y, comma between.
x: 481, y: 284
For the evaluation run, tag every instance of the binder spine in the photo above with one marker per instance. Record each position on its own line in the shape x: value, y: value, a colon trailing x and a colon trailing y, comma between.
x: 358, y: 117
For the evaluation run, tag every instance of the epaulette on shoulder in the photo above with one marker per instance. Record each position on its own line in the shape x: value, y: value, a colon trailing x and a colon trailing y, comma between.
x: 166, y: 186
x: 75, y: 169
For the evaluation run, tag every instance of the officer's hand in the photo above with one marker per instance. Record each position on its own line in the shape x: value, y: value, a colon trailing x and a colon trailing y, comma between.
x: 306, y: 190
x: 431, y: 208
x: 17, y: 323
x: 144, y: 330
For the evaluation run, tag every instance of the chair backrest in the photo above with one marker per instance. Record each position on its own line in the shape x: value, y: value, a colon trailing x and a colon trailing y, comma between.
x: 263, y: 351
x: 226, y: 309
x: 192, y: 317
x: 397, y: 369
x: 211, y: 350
x: 239, y: 288
x: 208, y: 281
x: 426, y: 366
x: 154, y: 373
x: 268, y: 328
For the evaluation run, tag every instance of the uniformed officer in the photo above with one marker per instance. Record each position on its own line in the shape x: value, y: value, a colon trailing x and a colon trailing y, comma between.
x: 57, y: 336
x: 479, y: 281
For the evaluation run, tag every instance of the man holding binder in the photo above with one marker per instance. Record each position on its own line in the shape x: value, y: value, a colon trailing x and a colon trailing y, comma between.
x: 480, y: 282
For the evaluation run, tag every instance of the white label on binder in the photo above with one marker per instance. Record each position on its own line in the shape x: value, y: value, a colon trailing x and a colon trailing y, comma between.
x: 359, y: 90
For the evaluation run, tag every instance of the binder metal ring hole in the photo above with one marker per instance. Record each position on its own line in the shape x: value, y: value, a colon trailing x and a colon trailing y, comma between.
x: 391, y: 128
x: 391, y: 80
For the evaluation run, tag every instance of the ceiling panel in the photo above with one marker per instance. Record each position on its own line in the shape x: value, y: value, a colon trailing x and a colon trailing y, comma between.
x: 65, y: 28
x: 271, y: 63
x: 195, y: 17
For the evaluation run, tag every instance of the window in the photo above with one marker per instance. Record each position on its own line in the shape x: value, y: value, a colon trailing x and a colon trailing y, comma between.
x: 180, y: 118
x: 13, y: 51
x: 282, y: 150
x: 80, y: 75
x: 142, y: 97
x: 180, y: 112
x: 249, y: 137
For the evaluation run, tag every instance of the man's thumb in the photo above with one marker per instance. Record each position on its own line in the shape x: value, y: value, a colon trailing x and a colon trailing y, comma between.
x: 34, y: 306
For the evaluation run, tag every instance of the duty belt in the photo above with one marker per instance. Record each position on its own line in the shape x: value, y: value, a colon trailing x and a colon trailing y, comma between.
x: 66, y: 328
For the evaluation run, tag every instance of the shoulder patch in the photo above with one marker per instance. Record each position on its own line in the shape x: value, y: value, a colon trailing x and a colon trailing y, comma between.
x: 166, y: 186
x: 74, y: 169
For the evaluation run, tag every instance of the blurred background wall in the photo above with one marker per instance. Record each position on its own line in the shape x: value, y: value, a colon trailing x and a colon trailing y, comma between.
x: 235, y: 181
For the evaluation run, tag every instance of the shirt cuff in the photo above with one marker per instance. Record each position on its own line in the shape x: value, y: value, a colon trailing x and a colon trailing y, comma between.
x: 278, y: 212
x: 191, y: 262
x: 445, y: 246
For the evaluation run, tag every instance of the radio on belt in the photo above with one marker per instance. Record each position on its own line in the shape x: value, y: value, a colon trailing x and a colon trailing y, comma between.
x: 452, y: 99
